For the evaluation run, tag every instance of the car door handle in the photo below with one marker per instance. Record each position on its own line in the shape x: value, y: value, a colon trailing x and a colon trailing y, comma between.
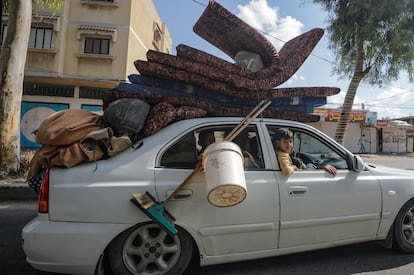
x: 180, y: 195
x: 297, y: 190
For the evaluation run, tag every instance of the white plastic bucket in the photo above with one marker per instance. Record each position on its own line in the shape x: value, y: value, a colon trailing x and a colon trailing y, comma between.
x: 224, y: 174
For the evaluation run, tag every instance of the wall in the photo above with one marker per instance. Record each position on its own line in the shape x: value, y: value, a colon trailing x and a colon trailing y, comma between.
x: 394, y: 140
x: 357, y: 140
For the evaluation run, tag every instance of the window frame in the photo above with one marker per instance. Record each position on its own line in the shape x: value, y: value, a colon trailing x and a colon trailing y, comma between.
x: 99, y: 51
x: 33, y: 39
x: 171, y: 146
x: 157, y: 36
x: 311, y: 134
x: 35, y: 36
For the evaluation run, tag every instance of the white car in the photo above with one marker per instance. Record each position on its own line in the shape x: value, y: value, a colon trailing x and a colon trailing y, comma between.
x: 87, y: 221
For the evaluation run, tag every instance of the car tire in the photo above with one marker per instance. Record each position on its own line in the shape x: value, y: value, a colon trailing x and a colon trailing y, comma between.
x: 148, y: 249
x: 404, y: 228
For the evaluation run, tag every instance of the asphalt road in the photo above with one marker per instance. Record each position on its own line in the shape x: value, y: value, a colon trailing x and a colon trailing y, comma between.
x: 367, y: 258
x: 13, y: 216
x: 402, y: 162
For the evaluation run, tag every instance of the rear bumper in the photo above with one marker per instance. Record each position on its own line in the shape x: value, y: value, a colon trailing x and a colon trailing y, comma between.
x: 66, y: 247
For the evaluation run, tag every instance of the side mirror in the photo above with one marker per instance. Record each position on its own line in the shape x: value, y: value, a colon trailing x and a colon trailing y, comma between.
x: 358, y: 164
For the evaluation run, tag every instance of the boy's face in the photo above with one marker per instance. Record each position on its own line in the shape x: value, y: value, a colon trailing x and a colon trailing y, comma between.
x: 285, y: 144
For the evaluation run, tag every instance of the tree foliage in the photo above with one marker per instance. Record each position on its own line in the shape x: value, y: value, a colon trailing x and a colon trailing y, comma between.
x: 53, y: 5
x: 382, y: 29
x: 373, y: 40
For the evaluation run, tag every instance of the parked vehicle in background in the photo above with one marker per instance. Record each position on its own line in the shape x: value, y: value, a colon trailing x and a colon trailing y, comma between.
x: 86, y: 220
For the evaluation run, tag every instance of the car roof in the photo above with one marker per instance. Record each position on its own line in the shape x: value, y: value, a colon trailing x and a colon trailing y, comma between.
x: 193, y: 123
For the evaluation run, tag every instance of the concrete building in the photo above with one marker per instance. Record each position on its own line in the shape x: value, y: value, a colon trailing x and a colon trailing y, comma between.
x: 396, y: 136
x: 366, y: 134
x: 86, y: 48
x: 408, y: 119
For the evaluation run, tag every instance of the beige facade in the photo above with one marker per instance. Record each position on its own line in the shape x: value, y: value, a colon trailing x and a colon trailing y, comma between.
x: 127, y: 25
x: 89, y: 46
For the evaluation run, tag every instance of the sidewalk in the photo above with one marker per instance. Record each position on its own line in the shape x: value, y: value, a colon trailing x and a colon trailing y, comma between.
x: 386, y: 155
x: 16, y: 191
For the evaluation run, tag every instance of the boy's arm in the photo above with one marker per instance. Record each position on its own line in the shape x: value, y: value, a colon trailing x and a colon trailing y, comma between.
x: 285, y: 164
x: 329, y: 168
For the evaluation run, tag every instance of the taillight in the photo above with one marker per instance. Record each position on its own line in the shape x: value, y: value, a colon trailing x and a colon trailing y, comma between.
x: 44, y: 193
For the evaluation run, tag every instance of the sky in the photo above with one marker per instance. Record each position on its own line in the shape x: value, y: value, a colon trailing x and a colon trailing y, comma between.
x: 283, y: 20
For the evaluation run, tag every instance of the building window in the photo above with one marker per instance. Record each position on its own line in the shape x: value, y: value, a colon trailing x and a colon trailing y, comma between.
x: 40, y: 38
x: 48, y: 90
x: 96, y: 45
x: 100, y: 3
x: 157, y: 36
x: 94, y: 93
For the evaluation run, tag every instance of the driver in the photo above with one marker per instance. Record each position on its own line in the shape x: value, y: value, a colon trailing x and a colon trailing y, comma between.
x: 284, y: 145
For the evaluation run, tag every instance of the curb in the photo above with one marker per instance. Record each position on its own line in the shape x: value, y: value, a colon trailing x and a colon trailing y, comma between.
x: 17, y: 192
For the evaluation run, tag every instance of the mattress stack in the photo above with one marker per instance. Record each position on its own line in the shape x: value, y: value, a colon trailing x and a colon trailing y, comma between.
x: 221, y: 88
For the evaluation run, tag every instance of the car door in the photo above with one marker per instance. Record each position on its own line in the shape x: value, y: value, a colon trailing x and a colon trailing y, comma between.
x: 248, y: 226
x: 317, y: 207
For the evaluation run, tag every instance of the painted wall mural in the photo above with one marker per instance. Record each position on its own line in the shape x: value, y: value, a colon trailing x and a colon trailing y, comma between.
x: 32, y: 114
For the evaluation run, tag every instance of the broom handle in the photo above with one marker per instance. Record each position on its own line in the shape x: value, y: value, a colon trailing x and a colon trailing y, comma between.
x: 184, y: 183
x: 240, y: 127
x: 247, y: 119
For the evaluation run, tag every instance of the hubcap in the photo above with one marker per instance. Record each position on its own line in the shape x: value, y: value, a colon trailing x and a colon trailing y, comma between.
x: 150, y: 250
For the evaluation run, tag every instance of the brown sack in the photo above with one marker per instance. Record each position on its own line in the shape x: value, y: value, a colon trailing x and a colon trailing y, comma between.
x: 41, y: 159
x: 65, y: 155
x: 67, y: 126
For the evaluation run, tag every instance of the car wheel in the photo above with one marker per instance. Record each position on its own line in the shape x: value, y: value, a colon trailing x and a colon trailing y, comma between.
x: 404, y: 228
x: 100, y: 268
x: 148, y: 249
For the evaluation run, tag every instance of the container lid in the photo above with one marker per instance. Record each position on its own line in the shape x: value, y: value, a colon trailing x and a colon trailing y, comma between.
x: 222, y: 145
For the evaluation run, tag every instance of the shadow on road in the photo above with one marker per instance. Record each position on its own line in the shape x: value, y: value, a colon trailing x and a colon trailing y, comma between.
x: 351, y: 259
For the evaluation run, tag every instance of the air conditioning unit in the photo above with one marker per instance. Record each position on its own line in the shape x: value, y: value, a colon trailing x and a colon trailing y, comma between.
x: 249, y: 60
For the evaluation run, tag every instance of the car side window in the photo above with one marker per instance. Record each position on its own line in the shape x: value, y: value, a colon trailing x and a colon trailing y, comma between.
x: 310, y: 151
x: 181, y: 154
x: 188, y: 150
x: 248, y: 141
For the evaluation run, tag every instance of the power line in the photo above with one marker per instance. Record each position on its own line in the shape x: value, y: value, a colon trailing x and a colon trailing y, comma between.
x: 391, y: 96
x: 325, y: 59
x: 198, y: 2
x: 333, y: 63
x: 374, y: 106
